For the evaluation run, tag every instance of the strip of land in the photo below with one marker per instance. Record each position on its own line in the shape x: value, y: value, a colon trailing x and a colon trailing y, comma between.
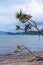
x: 26, y: 59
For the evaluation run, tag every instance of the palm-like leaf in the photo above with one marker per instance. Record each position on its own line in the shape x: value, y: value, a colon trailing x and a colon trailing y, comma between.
x: 15, y: 51
x: 19, y: 14
x: 22, y: 16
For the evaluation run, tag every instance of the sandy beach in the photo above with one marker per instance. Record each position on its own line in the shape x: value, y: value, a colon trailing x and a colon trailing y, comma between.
x: 21, y: 59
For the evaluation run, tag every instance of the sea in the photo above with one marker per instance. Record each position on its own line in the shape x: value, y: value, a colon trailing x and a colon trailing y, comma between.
x: 9, y: 42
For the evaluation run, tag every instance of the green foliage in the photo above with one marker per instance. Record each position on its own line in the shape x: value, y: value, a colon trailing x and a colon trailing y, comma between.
x: 22, y: 16
x: 19, y: 14
x: 18, y: 47
x: 15, y: 51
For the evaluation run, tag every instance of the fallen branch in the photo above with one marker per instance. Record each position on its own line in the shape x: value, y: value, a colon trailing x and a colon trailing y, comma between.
x: 36, y: 57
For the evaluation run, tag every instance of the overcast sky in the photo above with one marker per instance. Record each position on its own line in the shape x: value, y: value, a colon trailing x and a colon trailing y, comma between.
x: 8, y: 9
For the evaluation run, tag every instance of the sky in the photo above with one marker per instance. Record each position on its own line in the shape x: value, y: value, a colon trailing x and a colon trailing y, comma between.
x: 8, y: 9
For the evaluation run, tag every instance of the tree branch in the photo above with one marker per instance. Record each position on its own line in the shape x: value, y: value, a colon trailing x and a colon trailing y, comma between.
x: 36, y: 27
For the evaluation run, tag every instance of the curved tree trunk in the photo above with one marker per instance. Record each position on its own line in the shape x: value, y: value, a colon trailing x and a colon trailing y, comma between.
x: 36, y: 27
x: 39, y: 31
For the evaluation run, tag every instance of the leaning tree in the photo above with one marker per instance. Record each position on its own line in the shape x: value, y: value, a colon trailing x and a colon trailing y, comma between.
x: 26, y: 18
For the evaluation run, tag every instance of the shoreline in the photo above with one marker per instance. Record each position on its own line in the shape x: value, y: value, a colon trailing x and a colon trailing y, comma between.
x: 16, y: 54
x: 20, y: 59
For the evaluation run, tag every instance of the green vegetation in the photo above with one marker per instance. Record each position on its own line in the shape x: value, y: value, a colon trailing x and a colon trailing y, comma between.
x: 26, y: 18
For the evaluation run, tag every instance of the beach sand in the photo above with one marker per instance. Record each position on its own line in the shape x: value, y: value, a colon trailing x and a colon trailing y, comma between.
x: 21, y: 59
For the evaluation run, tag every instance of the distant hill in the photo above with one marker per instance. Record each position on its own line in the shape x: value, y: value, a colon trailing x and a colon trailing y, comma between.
x: 21, y: 33
x: 2, y: 32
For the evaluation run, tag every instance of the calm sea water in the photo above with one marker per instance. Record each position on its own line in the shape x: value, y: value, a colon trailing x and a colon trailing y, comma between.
x: 8, y: 43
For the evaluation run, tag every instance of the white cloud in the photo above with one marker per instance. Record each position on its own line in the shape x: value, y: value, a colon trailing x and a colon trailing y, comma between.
x: 7, y: 13
x: 34, y: 8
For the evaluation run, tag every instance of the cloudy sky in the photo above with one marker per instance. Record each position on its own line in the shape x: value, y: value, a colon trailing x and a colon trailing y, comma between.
x: 8, y: 9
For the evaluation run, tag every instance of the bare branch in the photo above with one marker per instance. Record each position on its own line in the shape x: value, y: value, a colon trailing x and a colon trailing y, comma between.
x: 35, y: 56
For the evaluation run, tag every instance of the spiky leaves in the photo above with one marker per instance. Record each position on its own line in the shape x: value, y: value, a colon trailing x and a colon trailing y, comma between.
x: 18, y: 49
x: 23, y: 17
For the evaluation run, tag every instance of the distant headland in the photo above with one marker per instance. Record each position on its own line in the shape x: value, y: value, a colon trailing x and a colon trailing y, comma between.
x: 22, y: 33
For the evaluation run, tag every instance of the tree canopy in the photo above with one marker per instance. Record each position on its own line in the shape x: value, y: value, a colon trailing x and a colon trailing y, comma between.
x: 26, y: 18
